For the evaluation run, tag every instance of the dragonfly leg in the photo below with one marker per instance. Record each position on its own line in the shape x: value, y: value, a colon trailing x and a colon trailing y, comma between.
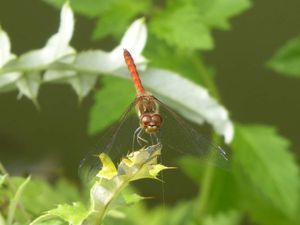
x: 139, y: 139
x: 135, y: 137
x: 151, y: 138
x: 157, y: 140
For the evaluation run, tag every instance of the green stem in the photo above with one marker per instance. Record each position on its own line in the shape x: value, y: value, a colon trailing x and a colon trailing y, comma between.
x: 14, y: 189
x: 208, y: 176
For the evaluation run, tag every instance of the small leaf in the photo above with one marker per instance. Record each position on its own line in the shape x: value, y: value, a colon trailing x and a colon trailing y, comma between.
x: 83, y: 84
x: 183, y: 27
x: 156, y: 169
x: 127, y: 197
x: 265, y: 164
x: 287, y: 59
x: 73, y: 214
x: 108, y: 170
x: 132, y: 198
x: 29, y: 85
x: 15, y: 201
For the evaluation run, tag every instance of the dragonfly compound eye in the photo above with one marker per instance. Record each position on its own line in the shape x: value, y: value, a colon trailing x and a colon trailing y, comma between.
x: 151, y: 122
x: 156, y: 118
x: 145, y: 120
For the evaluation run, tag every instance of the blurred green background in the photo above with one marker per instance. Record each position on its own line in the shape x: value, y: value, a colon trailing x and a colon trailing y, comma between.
x: 54, y: 139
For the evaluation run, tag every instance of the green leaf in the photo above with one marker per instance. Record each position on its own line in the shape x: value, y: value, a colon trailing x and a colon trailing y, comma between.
x: 264, y: 163
x: 48, y: 220
x: 132, y: 198
x: 15, y: 201
x: 115, y: 20
x: 109, y: 106
x: 73, y: 214
x: 127, y: 197
x: 108, y: 170
x: 83, y: 84
x: 223, y: 194
x: 183, y: 27
x: 287, y: 59
x: 29, y: 85
x: 192, y: 167
x: 48, y: 195
x: 8, y: 80
x: 216, y: 13
x: 5, y: 54
x: 2, y: 179
x: 166, y: 57
x: 224, y: 218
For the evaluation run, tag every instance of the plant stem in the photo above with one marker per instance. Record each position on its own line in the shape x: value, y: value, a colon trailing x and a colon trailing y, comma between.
x: 14, y: 189
x: 208, y: 176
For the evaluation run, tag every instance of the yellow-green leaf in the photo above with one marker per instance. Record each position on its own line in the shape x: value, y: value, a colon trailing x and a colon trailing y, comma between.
x: 108, y: 170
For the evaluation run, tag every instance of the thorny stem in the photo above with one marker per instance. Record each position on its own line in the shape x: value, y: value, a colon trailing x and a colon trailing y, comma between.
x: 209, y: 170
x: 100, y: 215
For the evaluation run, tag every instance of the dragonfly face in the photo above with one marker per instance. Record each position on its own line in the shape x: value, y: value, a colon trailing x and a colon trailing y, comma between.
x: 151, y: 123
x: 148, y: 112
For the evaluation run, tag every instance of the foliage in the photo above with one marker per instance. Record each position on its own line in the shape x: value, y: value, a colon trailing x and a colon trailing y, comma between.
x: 262, y: 184
x: 105, y: 197
x: 287, y: 59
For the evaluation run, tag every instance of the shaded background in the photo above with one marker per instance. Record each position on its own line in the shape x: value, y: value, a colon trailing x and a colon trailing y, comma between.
x: 57, y: 135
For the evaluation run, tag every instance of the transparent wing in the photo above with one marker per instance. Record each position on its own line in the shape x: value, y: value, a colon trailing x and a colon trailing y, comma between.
x: 179, y: 136
x: 116, y: 142
x: 176, y: 135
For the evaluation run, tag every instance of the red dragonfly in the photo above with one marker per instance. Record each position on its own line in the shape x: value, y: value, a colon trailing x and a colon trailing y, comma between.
x: 156, y: 123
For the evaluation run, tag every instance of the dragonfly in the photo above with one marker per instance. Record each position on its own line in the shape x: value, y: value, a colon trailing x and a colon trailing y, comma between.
x: 150, y: 121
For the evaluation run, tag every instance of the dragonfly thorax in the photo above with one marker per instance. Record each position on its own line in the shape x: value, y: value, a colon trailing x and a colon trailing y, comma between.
x: 146, y: 104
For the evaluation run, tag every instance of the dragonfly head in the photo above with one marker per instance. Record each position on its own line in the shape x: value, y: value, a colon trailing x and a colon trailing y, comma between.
x: 151, y: 123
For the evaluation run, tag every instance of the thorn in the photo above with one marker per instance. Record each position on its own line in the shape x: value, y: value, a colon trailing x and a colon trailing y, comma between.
x: 36, y: 104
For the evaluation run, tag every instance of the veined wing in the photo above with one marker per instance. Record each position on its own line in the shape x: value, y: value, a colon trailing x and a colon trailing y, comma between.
x: 116, y: 142
x: 179, y: 136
